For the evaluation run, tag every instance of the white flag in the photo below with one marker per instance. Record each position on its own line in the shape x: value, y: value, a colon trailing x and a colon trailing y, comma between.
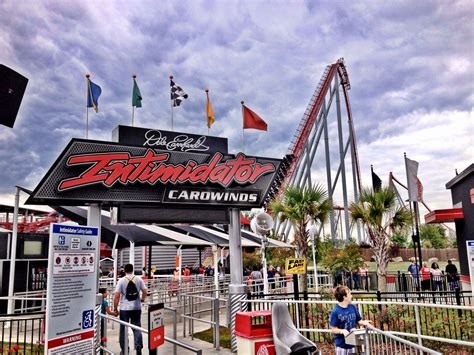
x: 415, y: 188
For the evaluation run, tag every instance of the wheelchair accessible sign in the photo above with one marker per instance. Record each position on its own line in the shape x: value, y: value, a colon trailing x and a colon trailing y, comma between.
x: 72, y: 279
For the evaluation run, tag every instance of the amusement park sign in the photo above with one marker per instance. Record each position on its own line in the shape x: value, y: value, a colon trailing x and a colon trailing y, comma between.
x: 116, y: 174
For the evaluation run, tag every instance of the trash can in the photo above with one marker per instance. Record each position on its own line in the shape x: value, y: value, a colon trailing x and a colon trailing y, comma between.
x: 253, y: 331
x: 391, y: 283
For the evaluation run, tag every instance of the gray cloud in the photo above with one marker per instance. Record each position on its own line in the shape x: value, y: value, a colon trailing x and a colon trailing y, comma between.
x: 408, y: 63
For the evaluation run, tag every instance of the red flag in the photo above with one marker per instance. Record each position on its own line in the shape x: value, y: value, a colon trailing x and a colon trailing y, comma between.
x: 252, y: 120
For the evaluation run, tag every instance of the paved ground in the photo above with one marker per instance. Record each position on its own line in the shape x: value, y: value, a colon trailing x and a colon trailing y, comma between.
x: 167, y: 348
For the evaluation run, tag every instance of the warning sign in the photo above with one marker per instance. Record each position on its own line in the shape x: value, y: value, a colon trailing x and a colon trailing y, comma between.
x: 156, y: 329
x: 295, y: 266
x: 63, y: 264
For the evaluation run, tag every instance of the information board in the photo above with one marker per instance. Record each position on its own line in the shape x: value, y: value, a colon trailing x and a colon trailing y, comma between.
x: 470, y: 260
x: 156, y: 329
x: 72, y: 280
x: 295, y: 266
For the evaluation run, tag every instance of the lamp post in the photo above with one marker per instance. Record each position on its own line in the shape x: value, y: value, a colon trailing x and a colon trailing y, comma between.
x: 261, y: 225
x: 313, y: 230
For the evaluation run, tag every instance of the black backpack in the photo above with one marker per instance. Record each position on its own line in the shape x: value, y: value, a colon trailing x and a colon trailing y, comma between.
x: 131, y: 292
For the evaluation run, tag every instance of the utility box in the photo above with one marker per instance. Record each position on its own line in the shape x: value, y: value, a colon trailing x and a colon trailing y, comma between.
x: 254, y: 333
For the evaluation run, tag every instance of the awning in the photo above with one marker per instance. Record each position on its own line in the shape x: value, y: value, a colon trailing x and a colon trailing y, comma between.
x: 224, y: 235
x: 273, y: 243
x: 174, y: 237
x: 127, y: 232
x: 444, y: 216
x: 199, y: 233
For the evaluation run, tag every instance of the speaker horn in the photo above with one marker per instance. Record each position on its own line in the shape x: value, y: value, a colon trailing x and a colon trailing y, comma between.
x: 262, y: 223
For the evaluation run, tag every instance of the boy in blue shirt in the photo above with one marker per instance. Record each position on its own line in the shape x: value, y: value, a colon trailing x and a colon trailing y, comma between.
x: 344, y: 317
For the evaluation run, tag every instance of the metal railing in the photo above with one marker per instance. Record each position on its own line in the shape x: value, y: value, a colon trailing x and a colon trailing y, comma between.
x: 376, y: 341
x: 175, y: 342
x: 22, y: 333
x: 212, y: 301
x: 312, y: 318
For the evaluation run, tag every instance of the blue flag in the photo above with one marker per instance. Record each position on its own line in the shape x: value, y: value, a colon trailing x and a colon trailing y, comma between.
x: 93, y: 93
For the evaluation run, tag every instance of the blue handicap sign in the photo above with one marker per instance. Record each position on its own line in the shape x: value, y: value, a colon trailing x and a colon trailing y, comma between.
x: 87, y: 319
x: 61, y: 240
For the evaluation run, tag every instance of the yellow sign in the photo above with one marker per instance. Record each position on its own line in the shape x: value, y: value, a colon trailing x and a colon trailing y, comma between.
x: 295, y: 266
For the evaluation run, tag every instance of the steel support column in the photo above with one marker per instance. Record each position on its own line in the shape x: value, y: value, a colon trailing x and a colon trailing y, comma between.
x: 341, y: 154
x: 236, y: 288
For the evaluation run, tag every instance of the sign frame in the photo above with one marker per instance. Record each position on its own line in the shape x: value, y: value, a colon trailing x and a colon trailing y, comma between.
x: 71, y: 272
x: 156, y: 328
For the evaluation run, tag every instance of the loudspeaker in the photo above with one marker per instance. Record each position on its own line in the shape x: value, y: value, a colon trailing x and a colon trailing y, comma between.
x: 12, y: 88
x: 262, y: 223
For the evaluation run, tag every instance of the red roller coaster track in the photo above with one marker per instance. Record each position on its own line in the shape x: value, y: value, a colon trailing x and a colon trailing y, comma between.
x: 311, y: 114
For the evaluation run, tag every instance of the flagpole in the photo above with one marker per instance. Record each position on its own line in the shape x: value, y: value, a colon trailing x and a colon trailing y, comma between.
x: 207, y: 113
x: 416, y: 232
x: 171, y: 78
x: 87, y: 106
x: 133, y: 107
x: 242, y: 103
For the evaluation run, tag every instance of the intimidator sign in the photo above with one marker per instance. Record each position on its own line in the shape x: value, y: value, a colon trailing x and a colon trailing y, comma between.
x: 115, y: 174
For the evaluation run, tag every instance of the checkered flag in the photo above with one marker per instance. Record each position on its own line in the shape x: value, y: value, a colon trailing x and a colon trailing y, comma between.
x: 177, y: 94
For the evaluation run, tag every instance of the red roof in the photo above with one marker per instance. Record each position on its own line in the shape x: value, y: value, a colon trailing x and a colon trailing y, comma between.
x: 443, y: 216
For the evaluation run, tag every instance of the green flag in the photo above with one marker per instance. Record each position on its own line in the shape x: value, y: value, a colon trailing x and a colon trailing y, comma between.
x: 137, y: 96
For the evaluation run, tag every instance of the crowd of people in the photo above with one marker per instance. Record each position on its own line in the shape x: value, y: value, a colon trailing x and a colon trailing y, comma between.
x: 432, y: 278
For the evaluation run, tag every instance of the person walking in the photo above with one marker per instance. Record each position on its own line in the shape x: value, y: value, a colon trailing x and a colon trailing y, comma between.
x: 425, y: 277
x: 127, y: 293
x: 437, y: 276
x: 414, y: 271
x: 452, y: 273
x: 364, y: 275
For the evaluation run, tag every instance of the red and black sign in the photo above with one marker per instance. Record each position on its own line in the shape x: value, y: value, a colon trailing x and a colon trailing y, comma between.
x: 118, y: 174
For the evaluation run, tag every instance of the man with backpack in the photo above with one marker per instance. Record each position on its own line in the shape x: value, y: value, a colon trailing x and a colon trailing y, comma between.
x: 127, y: 292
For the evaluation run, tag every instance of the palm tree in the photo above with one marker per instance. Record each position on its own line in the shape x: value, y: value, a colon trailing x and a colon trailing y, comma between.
x: 378, y: 212
x: 301, y: 206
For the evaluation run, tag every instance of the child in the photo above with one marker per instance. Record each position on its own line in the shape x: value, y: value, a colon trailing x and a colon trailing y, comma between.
x: 105, y: 309
x: 344, y: 317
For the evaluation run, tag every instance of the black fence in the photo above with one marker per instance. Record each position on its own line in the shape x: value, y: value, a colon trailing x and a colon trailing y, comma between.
x: 399, y: 281
x: 22, y: 334
x: 448, y: 323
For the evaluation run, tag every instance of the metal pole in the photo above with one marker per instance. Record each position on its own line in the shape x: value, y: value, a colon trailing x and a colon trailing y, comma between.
x: 132, y: 253
x: 236, y: 287
x: 342, y: 157
x: 94, y: 219
x: 115, y: 255
x: 264, y: 265
x: 415, y: 207
x: 11, y: 280
x: 216, y: 269
x: 328, y: 174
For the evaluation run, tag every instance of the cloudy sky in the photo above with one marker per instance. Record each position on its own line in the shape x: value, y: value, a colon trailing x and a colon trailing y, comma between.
x: 409, y: 63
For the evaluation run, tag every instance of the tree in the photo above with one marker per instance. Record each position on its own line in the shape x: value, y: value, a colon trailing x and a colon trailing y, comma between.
x: 378, y: 212
x: 347, y: 259
x: 432, y: 236
x: 302, y: 206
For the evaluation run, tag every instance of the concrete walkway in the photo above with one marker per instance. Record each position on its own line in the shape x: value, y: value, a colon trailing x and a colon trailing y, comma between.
x: 167, y: 348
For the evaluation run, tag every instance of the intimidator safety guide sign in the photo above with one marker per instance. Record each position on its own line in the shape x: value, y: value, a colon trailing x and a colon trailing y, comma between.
x: 72, y: 279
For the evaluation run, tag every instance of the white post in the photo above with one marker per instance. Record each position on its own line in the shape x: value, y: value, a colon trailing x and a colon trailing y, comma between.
x: 216, y: 268
x: 114, y: 256
x: 94, y: 219
x: 264, y: 265
x: 316, y: 283
x: 132, y: 254
x: 11, y: 280
x: 180, y: 263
